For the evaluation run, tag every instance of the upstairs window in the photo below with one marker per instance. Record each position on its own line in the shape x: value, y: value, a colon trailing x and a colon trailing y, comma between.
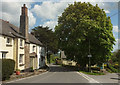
x: 9, y: 41
x: 33, y: 48
x: 21, y: 42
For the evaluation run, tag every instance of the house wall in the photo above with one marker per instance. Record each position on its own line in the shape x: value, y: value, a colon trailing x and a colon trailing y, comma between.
x: 6, y: 47
x: 31, y: 48
x: 42, y: 61
x: 38, y: 55
x: 21, y: 51
x: 34, y: 60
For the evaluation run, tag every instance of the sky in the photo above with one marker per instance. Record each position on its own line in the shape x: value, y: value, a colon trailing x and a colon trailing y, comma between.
x: 46, y: 12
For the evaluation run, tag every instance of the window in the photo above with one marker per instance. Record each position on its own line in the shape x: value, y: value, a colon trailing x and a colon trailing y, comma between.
x: 21, y: 42
x: 33, y: 48
x: 8, y: 41
x: 21, y: 59
x: 3, y: 55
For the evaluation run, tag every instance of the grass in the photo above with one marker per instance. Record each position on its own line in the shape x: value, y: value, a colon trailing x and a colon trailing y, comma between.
x: 90, y: 73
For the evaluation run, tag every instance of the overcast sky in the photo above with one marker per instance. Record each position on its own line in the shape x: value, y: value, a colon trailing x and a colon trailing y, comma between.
x: 46, y: 12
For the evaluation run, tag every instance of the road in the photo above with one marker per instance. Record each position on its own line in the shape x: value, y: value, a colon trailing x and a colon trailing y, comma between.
x: 57, y: 74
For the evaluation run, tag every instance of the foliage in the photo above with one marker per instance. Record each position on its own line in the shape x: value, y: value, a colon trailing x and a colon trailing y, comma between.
x: 107, y: 69
x: 53, y: 58
x: 112, y: 68
x: 115, y: 56
x: 8, y: 66
x: 85, y: 29
x: 31, y: 69
x: 47, y: 37
x: 17, y: 69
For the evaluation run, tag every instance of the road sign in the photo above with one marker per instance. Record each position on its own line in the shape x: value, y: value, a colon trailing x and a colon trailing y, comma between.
x: 89, y: 55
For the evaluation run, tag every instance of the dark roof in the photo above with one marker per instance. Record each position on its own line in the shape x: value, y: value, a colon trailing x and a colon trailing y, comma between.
x: 11, y: 30
x: 33, y: 40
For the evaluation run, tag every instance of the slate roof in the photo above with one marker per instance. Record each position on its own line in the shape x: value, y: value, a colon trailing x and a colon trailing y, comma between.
x: 33, y: 40
x: 11, y: 30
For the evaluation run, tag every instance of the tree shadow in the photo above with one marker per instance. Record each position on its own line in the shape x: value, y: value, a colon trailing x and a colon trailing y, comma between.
x: 115, y: 78
x: 58, y: 68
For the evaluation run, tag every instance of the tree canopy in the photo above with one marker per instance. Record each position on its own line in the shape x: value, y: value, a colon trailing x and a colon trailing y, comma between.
x: 115, y: 56
x: 85, y: 29
x: 47, y: 38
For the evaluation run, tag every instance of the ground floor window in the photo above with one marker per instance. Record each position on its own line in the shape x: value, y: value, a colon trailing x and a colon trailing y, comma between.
x: 21, y: 59
x: 3, y: 55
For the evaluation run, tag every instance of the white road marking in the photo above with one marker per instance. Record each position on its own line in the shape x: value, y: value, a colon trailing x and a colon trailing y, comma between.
x: 91, y: 80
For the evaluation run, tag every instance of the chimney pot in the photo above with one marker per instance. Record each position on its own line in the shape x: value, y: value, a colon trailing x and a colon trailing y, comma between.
x: 24, y: 5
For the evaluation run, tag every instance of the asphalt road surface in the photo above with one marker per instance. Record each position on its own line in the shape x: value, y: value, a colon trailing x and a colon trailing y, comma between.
x: 57, y: 74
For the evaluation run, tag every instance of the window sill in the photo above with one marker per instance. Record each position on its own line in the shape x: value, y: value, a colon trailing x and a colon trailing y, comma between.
x: 21, y: 47
x: 8, y: 44
x: 21, y: 64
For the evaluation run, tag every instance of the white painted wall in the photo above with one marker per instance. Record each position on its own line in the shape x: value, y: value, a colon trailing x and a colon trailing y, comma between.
x: 21, y: 51
x: 5, y: 47
x: 31, y: 48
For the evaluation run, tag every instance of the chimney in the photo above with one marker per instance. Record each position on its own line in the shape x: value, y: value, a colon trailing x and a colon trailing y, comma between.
x: 24, y: 22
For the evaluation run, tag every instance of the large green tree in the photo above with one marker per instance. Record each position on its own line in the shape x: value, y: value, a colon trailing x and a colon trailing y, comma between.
x: 85, y: 29
x: 115, y: 56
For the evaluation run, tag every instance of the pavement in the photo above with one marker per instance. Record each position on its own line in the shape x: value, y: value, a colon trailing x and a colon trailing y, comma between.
x: 59, y: 74
x: 108, y: 78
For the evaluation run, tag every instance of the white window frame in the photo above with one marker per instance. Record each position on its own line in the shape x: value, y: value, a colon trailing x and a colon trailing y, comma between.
x: 33, y: 49
x: 9, y: 41
x: 21, y: 59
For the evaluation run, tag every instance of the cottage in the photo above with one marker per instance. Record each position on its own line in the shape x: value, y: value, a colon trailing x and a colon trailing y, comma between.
x: 21, y: 46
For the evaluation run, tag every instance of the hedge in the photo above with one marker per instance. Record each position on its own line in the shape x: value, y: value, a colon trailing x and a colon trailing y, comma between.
x: 8, y: 66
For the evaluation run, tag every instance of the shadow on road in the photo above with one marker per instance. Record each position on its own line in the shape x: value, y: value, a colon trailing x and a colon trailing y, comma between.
x: 115, y: 78
x: 58, y: 68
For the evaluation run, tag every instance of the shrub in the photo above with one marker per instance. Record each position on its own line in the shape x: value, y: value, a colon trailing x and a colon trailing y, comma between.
x: 31, y: 69
x: 8, y: 66
x: 116, y: 66
x: 112, y: 68
x: 107, y: 69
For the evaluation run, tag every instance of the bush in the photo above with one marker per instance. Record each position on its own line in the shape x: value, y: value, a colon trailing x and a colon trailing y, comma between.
x: 116, y: 66
x: 107, y: 69
x: 31, y: 69
x: 112, y: 68
x: 8, y: 66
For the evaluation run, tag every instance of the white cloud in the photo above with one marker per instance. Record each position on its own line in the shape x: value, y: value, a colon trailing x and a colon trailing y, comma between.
x: 32, y: 19
x: 115, y: 29
x: 50, y: 24
x: 12, y: 11
x: 107, y: 11
x: 116, y: 46
x: 49, y: 10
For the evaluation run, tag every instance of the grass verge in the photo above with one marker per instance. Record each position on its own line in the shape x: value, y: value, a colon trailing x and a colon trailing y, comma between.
x: 90, y: 73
